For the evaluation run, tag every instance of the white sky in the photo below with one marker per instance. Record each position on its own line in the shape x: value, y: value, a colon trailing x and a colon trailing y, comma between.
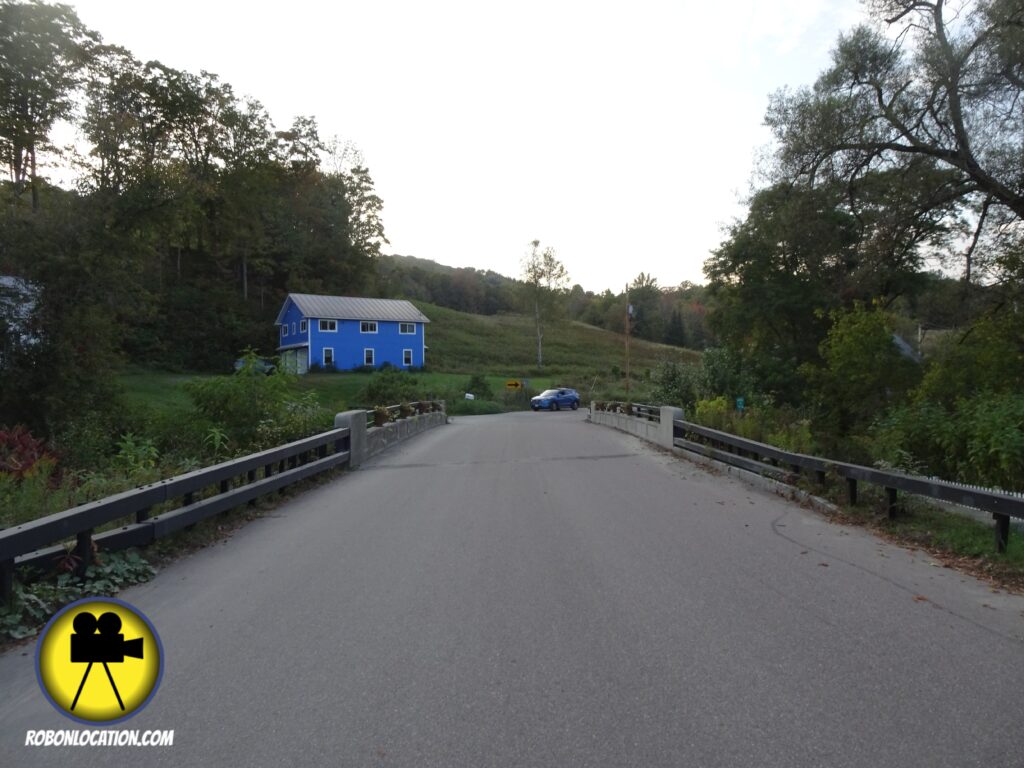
x: 623, y: 135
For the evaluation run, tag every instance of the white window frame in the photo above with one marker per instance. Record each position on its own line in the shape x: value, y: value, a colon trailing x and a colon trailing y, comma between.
x: 293, y: 328
x: 407, y: 354
x: 373, y: 356
x: 334, y: 361
x: 302, y: 326
x: 401, y: 326
x: 364, y: 326
x: 325, y: 326
x: 284, y: 330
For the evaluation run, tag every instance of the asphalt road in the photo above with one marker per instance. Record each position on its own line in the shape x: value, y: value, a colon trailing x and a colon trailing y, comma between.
x: 533, y: 590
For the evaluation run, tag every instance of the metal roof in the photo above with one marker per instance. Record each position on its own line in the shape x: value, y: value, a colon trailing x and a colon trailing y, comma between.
x: 351, y: 308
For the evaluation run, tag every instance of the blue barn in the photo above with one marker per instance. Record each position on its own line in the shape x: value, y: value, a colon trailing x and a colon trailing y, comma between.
x: 343, y: 333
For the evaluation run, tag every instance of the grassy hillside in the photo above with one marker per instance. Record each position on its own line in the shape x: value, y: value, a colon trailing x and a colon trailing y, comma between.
x: 499, y: 347
x: 505, y: 345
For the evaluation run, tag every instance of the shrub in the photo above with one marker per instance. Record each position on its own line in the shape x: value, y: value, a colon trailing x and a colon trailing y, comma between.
x: 240, y: 403
x: 390, y: 386
x: 676, y: 384
x: 793, y: 436
x: 84, y: 440
x: 863, y: 371
x: 135, y: 454
x: 713, y: 413
x: 19, y: 451
x: 722, y: 373
x: 34, y: 494
x: 980, y: 440
x: 473, y: 407
x: 297, y: 417
x: 478, y: 385
x: 34, y: 604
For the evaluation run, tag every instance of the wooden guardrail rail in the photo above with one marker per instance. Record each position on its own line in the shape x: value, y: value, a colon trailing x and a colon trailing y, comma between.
x: 767, y: 459
x: 202, y: 493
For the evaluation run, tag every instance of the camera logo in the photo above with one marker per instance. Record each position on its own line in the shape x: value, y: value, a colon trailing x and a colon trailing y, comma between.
x: 88, y: 669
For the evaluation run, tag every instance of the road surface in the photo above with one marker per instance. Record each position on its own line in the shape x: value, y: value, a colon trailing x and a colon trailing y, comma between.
x: 534, y: 590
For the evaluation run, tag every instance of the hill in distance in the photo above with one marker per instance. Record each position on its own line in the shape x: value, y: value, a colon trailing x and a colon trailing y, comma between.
x: 505, y: 345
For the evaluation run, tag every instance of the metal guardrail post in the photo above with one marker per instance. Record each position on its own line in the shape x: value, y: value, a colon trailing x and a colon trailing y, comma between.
x: 1002, y: 531
x: 892, y: 505
x: 250, y: 478
x: 83, y: 551
x: 7, y: 582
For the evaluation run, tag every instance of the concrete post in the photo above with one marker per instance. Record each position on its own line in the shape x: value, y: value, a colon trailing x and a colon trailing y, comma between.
x: 356, y: 423
x: 668, y: 415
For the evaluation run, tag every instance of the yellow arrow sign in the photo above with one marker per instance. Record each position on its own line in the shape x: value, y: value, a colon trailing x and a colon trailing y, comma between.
x: 513, y: 384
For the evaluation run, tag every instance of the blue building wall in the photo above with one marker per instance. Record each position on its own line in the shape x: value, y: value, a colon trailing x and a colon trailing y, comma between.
x: 292, y: 318
x: 349, y: 343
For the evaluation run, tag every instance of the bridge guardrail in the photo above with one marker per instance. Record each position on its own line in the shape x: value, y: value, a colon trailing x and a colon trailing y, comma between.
x: 766, y: 459
x: 232, y: 483
x: 235, y: 481
x: 394, y: 412
x: 750, y: 454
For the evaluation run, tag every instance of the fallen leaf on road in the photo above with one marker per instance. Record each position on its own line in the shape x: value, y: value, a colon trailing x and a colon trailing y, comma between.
x: 823, y: 565
x: 920, y: 599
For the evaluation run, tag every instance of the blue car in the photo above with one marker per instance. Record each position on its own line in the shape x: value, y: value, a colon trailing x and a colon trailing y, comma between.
x: 556, y: 399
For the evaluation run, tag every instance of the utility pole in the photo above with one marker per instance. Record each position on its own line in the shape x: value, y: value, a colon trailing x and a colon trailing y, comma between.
x: 629, y: 313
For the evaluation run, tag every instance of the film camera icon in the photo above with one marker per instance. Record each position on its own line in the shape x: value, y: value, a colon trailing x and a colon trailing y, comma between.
x: 107, y: 647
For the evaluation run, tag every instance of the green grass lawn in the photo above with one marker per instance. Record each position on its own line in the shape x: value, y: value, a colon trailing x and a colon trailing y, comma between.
x: 145, y: 390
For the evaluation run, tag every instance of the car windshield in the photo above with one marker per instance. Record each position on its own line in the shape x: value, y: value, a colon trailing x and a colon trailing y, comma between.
x: 549, y: 393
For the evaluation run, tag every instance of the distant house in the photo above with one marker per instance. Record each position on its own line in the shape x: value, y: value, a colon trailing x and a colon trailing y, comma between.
x: 344, y: 333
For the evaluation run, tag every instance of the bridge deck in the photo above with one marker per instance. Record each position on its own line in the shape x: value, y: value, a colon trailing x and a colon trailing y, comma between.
x: 533, y: 590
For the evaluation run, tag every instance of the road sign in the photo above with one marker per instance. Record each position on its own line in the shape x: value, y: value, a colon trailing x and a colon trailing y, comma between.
x: 513, y: 384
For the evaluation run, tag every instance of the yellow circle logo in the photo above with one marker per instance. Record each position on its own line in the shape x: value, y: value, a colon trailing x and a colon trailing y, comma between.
x: 99, y: 661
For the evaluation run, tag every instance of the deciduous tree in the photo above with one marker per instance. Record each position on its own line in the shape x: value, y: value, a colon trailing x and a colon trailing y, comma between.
x: 43, y: 49
x: 545, y: 280
x: 926, y: 89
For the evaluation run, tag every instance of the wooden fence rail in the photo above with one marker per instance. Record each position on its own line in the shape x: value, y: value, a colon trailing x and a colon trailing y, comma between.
x: 767, y: 459
x: 223, y: 487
